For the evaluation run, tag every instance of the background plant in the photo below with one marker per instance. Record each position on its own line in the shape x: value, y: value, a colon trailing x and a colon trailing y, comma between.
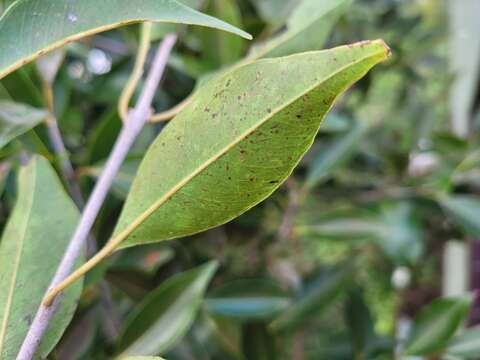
x: 333, y: 264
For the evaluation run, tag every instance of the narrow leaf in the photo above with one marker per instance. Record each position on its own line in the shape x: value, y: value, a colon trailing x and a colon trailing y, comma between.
x: 32, y: 246
x: 465, y: 211
x: 166, y: 314
x: 237, y: 141
x: 16, y: 119
x: 314, y: 302
x: 436, y: 324
x: 464, y: 59
x: 31, y: 28
x: 336, y: 154
x: 307, y: 28
x: 248, y: 300
x: 466, y: 345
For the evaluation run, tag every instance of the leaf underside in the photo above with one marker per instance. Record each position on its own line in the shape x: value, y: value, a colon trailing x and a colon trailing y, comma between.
x: 31, y: 28
x: 237, y: 141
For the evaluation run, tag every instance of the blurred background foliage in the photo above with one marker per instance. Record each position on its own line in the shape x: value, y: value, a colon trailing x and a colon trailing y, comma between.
x: 337, y: 263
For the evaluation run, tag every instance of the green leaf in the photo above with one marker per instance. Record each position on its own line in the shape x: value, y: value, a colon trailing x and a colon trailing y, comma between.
x: 465, y: 211
x: 314, y: 302
x: 142, y: 358
x: 307, y: 28
x: 32, y: 246
x: 275, y: 12
x: 31, y: 28
x: 464, y: 59
x: 466, y: 345
x: 16, y: 119
x: 167, y: 313
x: 236, y: 142
x: 335, y: 154
x: 395, y: 229
x: 254, y: 299
x: 222, y: 48
x: 436, y: 324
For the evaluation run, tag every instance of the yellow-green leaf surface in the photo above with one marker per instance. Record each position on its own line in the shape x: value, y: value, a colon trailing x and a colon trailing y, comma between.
x: 32, y: 246
x: 30, y: 28
x: 16, y: 119
x: 237, y: 141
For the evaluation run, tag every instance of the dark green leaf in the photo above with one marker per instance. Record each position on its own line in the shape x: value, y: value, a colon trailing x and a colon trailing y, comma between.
x: 166, y: 314
x: 313, y: 302
x: 436, y: 324
x: 335, y: 154
x: 465, y: 211
x: 248, y: 300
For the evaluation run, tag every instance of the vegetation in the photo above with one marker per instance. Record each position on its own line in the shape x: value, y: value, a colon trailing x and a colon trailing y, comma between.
x: 267, y: 199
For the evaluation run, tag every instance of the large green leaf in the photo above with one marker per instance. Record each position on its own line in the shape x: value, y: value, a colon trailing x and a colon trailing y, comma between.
x: 314, y: 302
x: 167, y: 313
x: 436, y: 324
x: 307, y: 28
x: 466, y: 345
x: 16, y: 119
x: 237, y: 141
x: 255, y: 299
x: 32, y: 246
x: 31, y: 28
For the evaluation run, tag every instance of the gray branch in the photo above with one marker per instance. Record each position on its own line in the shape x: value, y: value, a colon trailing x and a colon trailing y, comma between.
x: 133, y: 125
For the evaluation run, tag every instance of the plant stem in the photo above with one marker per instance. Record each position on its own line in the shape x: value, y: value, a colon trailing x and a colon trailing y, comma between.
x: 132, y: 127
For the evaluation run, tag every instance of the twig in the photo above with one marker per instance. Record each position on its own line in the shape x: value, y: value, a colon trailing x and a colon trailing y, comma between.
x: 132, y: 127
x: 111, y: 318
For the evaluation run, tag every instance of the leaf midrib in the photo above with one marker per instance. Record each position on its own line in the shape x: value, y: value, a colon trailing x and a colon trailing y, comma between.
x: 146, y: 214
x: 21, y: 243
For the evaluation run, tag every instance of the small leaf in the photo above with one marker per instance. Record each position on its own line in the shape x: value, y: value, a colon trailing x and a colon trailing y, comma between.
x: 466, y: 345
x: 32, y: 246
x: 167, y: 313
x: 436, y: 324
x: 142, y: 358
x: 314, y: 301
x: 307, y: 29
x: 16, y: 119
x: 335, y: 154
x: 464, y: 59
x: 465, y: 211
x: 275, y: 12
x: 248, y: 300
x: 236, y: 142
x: 31, y: 28
x: 360, y: 323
